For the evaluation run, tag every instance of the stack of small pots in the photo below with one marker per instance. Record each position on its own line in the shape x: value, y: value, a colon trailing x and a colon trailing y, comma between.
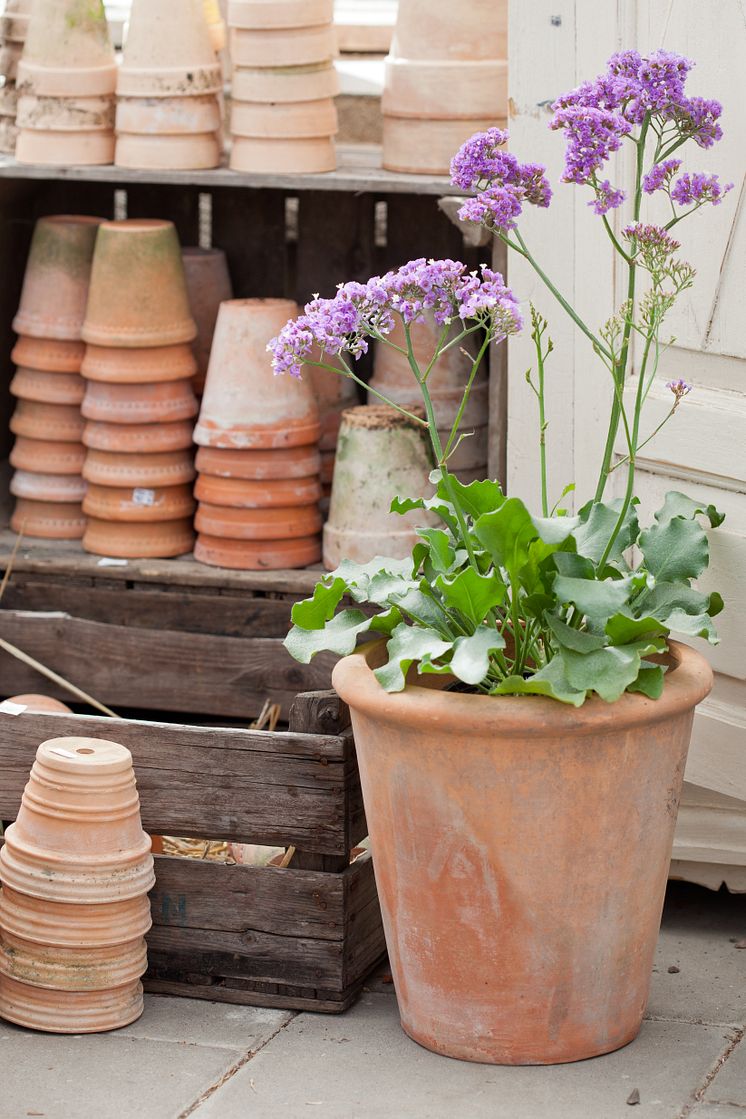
x: 48, y: 453
x: 208, y: 285
x: 446, y: 78
x: 258, y: 461
x: 139, y: 400
x: 283, y: 116
x: 169, y: 86
x: 13, y: 30
x: 76, y: 868
x: 66, y: 85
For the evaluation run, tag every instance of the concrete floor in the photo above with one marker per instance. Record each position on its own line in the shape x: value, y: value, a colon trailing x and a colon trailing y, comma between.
x: 212, y: 1061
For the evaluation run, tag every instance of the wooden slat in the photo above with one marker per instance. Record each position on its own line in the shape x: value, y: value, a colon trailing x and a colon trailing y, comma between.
x: 162, y: 981
x: 250, y: 228
x: 172, y: 203
x: 335, y: 242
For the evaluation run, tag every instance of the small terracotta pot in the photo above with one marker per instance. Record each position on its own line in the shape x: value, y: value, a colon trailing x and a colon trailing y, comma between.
x: 48, y: 520
x: 244, y: 405
x: 61, y: 423
x: 68, y: 52
x: 166, y: 402
x: 107, y: 468
x: 286, y: 83
x: 48, y: 487
x: 165, y: 116
x: 295, y: 462
x: 197, y: 152
x: 257, y: 524
x: 38, y: 704
x: 73, y: 926
x: 438, y: 29
x: 48, y: 388
x: 48, y: 354
x: 138, y: 438
x: 71, y: 969
x: 291, y: 120
x: 66, y: 114
x: 257, y: 555
x: 133, y: 257
x: 445, y: 90
x: 62, y: 149
x: 55, y: 284
x: 47, y: 457
x: 380, y: 455
x: 287, y: 46
x: 269, y: 157
x: 138, y: 541
x: 70, y: 1012
x: 208, y: 285
x: 254, y: 15
x: 140, y: 505
x: 237, y: 493
x: 426, y: 147
x: 169, y: 52
x: 117, y: 365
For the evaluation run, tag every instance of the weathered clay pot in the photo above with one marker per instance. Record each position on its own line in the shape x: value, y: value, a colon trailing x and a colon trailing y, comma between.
x: 530, y: 937
x: 295, y: 462
x: 380, y: 455
x: 138, y: 438
x: 73, y: 926
x: 426, y: 147
x: 265, y: 156
x: 164, y: 402
x: 49, y: 354
x: 237, y: 493
x: 138, y: 541
x: 62, y: 423
x: 164, y: 116
x: 48, y: 487
x: 71, y: 969
x: 55, y: 284
x: 132, y: 257
x: 334, y: 394
x: 107, y: 468
x: 66, y: 114
x: 168, y: 52
x: 117, y: 365
x: 244, y: 405
x: 291, y: 120
x: 48, y: 520
x: 62, y: 149
x: 257, y: 555
x: 48, y: 388
x: 140, y: 505
x: 208, y: 285
x: 197, y: 152
x: 446, y: 90
x: 38, y: 704
x: 68, y: 52
x: 438, y: 29
x: 70, y: 1012
x: 257, y: 524
x: 10, y: 56
x: 285, y: 83
x: 254, y: 15
x: 287, y: 46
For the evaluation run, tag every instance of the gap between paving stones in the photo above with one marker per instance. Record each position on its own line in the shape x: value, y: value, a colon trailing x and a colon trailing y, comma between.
x: 698, y: 1096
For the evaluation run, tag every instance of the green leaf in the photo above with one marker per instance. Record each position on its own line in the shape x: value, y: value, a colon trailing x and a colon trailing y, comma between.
x: 622, y: 629
x: 548, y: 681
x: 383, y: 586
x: 598, y: 523
x: 471, y: 593
x: 437, y: 505
x: 576, y: 639
x: 555, y: 530
x: 418, y: 602
x: 675, y: 549
x: 664, y: 598
x: 358, y: 576
x: 442, y: 554
x: 475, y: 498
x: 471, y: 655
x: 649, y: 680
x: 596, y: 599
x: 507, y: 534
x: 576, y: 567
x: 315, y: 612
x: 339, y: 635
x: 693, y: 625
x: 609, y: 671
x: 679, y: 505
x: 406, y: 645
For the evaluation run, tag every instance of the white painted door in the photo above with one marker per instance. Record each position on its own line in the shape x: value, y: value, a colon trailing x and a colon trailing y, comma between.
x: 554, y: 44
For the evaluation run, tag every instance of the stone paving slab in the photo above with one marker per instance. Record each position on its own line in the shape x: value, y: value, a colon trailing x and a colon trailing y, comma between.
x: 716, y: 1111
x: 729, y: 1086
x: 206, y: 1023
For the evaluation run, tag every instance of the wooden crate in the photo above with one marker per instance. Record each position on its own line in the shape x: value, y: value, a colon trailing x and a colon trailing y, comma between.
x: 301, y: 937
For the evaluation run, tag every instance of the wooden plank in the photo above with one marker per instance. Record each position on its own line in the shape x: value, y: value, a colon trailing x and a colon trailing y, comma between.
x: 416, y: 227
x: 335, y: 242
x: 55, y: 196
x: 173, y: 203
x: 162, y: 980
x: 250, y: 228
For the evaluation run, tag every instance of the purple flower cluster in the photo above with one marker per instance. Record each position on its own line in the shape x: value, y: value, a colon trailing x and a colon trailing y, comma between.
x: 607, y: 198
x: 444, y: 288
x: 679, y: 388
x: 592, y: 135
x: 695, y: 190
x: 505, y: 183
x: 660, y: 175
x: 652, y: 244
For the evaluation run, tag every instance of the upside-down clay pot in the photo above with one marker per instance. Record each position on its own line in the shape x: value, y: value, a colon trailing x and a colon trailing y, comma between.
x: 290, y: 120
x: 287, y: 46
x: 108, y: 468
x: 138, y: 438
x: 257, y: 524
x: 134, y: 257
x: 426, y: 147
x: 68, y: 52
x: 73, y: 926
x: 165, y: 402
x: 245, y: 406
x: 48, y: 354
x: 62, y: 423
x: 63, y: 149
x: 280, y: 84
x: 255, y: 15
x: 241, y: 494
x: 521, y: 914
x: 446, y: 89
x: 145, y: 365
x: 48, y: 487
x: 266, y: 156
x: 294, y: 462
x: 139, y: 504
x: 208, y: 285
x: 380, y: 455
x: 68, y: 114
x: 70, y: 1012
x: 38, y: 704
x: 165, y: 116
x: 152, y: 152
x: 48, y: 388
x: 257, y: 555
x: 168, y: 52
x: 55, y: 284
x: 436, y: 29
x: 71, y: 969
x: 138, y: 541
x: 48, y: 520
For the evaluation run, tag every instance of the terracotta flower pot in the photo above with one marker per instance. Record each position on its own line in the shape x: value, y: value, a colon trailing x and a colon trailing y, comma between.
x: 55, y: 284
x: 530, y: 940
x: 62, y: 149
x: 64, y: 488
x: 139, y: 505
x: 446, y: 89
x: 438, y: 29
x: 169, y: 52
x: 48, y: 388
x: 70, y: 1012
x: 208, y: 285
x: 48, y: 520
x: 62, y: 423
x: 48, y: 354
x: 38, y: 704
x: 334, y: 395
x: 426, y: 147
x: 73, y: 926
x: 269, y: 157
x: 68, y: 52
x: 65, y: 114
x: 257, y: 555
x: 237, y: 493
x: 71, y: 969
x: 244, y: 405
x: 166, y: 402
x: 133, y: 257
x: 164, y: 116
x: 138, y: 438
x: 128, y: 471
x: 286, y: 83
x: 287, y: 46
x: 257, y: 14
x: 138, y: 541
x: 257, y: 524
x: 291, y: 120
x: 116, y: 365
x: 295, y: 462
x: 197, y: 152
x: 380, y: 455
x: 446, y: 403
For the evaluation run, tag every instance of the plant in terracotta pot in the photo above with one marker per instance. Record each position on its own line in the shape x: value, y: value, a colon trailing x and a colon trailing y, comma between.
x: 523, y: 720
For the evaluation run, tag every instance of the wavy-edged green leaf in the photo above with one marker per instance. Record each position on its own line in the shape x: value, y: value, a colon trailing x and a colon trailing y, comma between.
x: 358, y: 576
x: 693, y: 625
x: 471, y: 655
x: 555, y: 530
x: 550, y: 681
x: 576, y: 639
x: 437, y: 505
x: 598, y: 521
x: 574, y: 566
x: 675, y: 550
x: 420, y: 604
x: 677, y: 504
x: 442, y: 554
x: 649, y: 680
x: 339, y: 634
x: 609, y: 671
x: 475, y: 498
x: 315, y: 612
x: 662, y: 599
x: 596, y: 599
x: 407, y: 645
x: 507, y: 534
x: 471, y: 593
x: 622, y: 628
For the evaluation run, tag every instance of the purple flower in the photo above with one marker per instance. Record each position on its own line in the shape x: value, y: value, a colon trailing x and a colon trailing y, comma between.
x: 659, y: 177
x: 696, y: 189
x: 652, y: 238
x: 491, y: 299
x: 592, y: 135
x: 479, y: 161
x: 607, y: 198
x: 679, y: 388
x: 497, y: 207
x: 698, y: 119
x: 506, y: 184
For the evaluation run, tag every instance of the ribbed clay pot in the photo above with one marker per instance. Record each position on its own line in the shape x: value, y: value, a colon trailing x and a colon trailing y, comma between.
x: 168, y: 52
x: 62, y: 423
x: 134, y: 257
x: 208, y: 285
x: 165, y: 116
x: 265, y: 156
x: 238, y: 493
x: 138, y: 541
x: 138, y: 438
x: 70, y: 1012
x: 285, y: 120
x: 164, y: 402
x: 71, y: 969
x: 48, y: 354
x: 278, y: 85
x: 245, y: 406
x: 530, y: 938
x: 48, y: 388
x: 107, y: 468
x: 116, y: 365
x: 257, y: 555
x: 287, y: 46
x: 55, y: 283
x: 257, y: 524
x: 68, y: 52
x: 294, y: 462
x: 73, y: 926
x: 63, y: 149
x: 438, y: 29
x: 66, y: 488
x: 139, y: 505
x: 197, y: 152
x: 48, y: 520
x: 380, y: 455
x: 38, y: 704
x: 254, y: 15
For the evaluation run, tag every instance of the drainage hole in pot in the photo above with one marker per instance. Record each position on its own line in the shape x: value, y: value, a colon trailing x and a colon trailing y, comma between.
x: 85, y: 751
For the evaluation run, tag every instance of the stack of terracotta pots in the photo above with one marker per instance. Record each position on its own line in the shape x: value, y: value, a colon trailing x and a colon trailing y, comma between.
x: 169, y: 86
x: 13, y: 29
x: 139, y: 400
x: 258, y: 463
x: 66, y: 84
x: 76, y: 868
x: 283, y: 116
x: 208, y: 285
x: 446, y: 78
x: 48, y: 453
x: 393, y: 377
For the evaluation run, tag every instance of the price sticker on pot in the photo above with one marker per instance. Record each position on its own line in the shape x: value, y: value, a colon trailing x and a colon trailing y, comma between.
x: 143, y: 497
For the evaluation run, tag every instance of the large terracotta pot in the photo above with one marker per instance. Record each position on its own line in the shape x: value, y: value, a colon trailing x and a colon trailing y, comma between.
x: 68, y: 52
x: 55, y: 283
x: 239, y: 493
x: 141, y: 505
x: 295, y: 462
x: 521, y: 855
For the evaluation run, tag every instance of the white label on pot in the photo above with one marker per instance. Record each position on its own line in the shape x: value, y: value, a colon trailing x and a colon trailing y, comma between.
x: 108, y: 561
x: 63, y: 753
x: 143, y: 497
x: 10, y: 708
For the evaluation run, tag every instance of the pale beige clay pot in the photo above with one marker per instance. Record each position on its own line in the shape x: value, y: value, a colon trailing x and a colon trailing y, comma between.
x: 48, y: 354
x: 238, y: 493
x: 117, y: 365
x: 165, y: 116
x: 48, y: 520
x: 294, y: 462
x: 68, y: 52
x: 138, y: 438
x: 208, y: 285
x: 288, y: 46
x: 278, y: 85
x: 445, y: 90
x: 65, y: 114
x: 139, y: 505
x: 254, y: 15
x: 48, y: 487
x: 169, y: 52
x: 166, y: 402
x: 138, y: 541
x: 63, y: 149
x: 70, y: 1012
x: 55, y: 283
x: 438, y: 30
x: 285, y: 120
x: 48, y: 388
x: 108, y: 468
x: 292, y: 156
x: 257, y: 524
x: 257, y: 555
x: 61, y: 423
x: 245, y: 406
x: 426, y: 147
x: 38, y: 704
x: 197, y: 152
x: 133, y: 257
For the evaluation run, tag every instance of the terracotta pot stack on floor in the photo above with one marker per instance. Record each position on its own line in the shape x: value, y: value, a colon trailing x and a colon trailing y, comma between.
x: 208, y: 285
x: 283, y: 116
x: 13, y: 28
x: 169, y: 87
x: 139, y: 402
x: 48, y: 454
x: 76, y: 868
x: 446, y: 78
x: 66, y: 85
x: 258, y: 460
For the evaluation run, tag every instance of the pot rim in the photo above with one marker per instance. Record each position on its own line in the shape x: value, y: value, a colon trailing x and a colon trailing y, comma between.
x: 688, y: 681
